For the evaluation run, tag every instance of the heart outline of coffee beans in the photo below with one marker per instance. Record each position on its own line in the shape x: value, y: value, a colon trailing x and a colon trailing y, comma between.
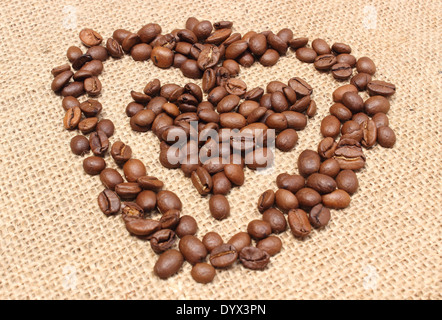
x: 213, y: 53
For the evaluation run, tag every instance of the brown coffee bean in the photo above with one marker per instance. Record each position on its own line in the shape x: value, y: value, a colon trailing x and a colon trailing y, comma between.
x: 325, y: 62
x: 121, y: 152
x: 81, y: 61
x: 330, y: 167
x: 347, y: 181
x: 339, y: 47
x: 339, y: 92
x: 285, y: 200
x: 209, y: 57
x: 61, y: 80
x: 321, y: 183
x: 167, y: 200
x: 240, y: 241
x: 203, y: 272
x: 72, y: 118
x: 311, y: 109
x: 272, y: 245
x: 87, y: 125
x: 297, y: 43
x: 266, y: 200
x: 168, y: 263
x: 308, y: 197
x: 269, y: 58
x: 338, y: 199
x: 90, y: 37
x: 186, y: 226
x: 236, y: 86
x: 381, y: 88
x: 234, y: 173
x: 220, y: 36
x: 73, y: 53
x: 92, y: 86
x: 110, y: 178
x: 290, y: 182
x: 93, y: 165
x: 258, y: 44
x: 299, y: 223
x: 254, y: 258
x: 202, y: 181
x: 211, y: 240
x: 91, y: 108
x: 341, y: 112
x: 259, y: 158
x: 353, y: 101
x: 347, y: 59
x: 70, y: 102
x: 277, y: 43
x: 361, y: 80
x: 170, y: 219
x: 223, y: 256
x: 114, y: 48
x: 376, y: 104
x: 162, y: 240
x: 276, y: 220
x: 128, y: 190
x: 162, y: 57
x: 109, y: 202
x: 366, y: 65
x: 192, y: 249
x: 386, y: 137
x: 150, y: 183
x: 308, y: 162
x: 301, y: 105
x: 349, y: 155
x: 132, y: 212
x: 148, y: 32
x: 107, y: 126
x: 99, y: 143
x: 98, y: 53
x: 319, y: 216
x: 352, y: 129
x: 259, y: 229
x: 235, y: 49
x: 141, y: 52
x: 330, y: 126
x: 79, y: 145
x: 60, y: 69
x: 341, y: 71
x: 190, y: 69
x: 295, y: 120
x: 321, y: 47
x: 306, y: 55
x: 147, y: 200
x: 369, y: 133
x: 219, y: 207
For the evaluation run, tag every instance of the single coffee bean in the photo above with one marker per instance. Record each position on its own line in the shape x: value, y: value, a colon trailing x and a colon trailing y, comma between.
x: 254, y: 258
x: 148, y: 32
x: 376, y: 104
x: 61, y: 80
x: 301, y: 105
x: 133, y: 169
x: 211, y: 240
x: 236, y: 86
x: 132, y: 212
x: 327, y: 147
x: 353, y: 101
x: 114, y: 48
x: 190, y: 69
x: 72, y: 118
x: 150, y: 183
x: 128, y: 190
x: 321, y: 183
x: 360, y: 117
x: 311, y: 109
x: 219, y: 207
x: 99, y: 143
x: 203, y: 272
x: 186, y: 226
x: 324, y: 62
x: 90, y: 37
x: 272, y: 245
x: 143, y: 228
x: 341, y: 71
x: 141, y: 52
x: 347, y: 181
x: 110, y: 178
x: 168, y: 263
x: 338, y: 199
x: 285, y: 200
x: 352, y: 129
x: 167, y: 200
x: 381, y: 88
x: 162, y: 240
x: 73, y: 53
x: 349, y: 154
x: 94, y: 165
x: 107, y: 126
x: 297, y: 43
x: 321, y: 47
x: 121, y: 152
x: 109, y: 202
x: 386, y: 137
x: 209, y: 57
x: 60, y: 69
x: 130, y: 41
x: 170, y: 219
x: 299, y: 223
x: 339, y: 47
x: 366, y: 65
x: 339, y: 92
x: 223, y: 256
x: 162, y: 57
x: 277, y: 121
x: 79, y: 145
x: 308, y: 197
x: 276, y: 220
x: 295, y: 120
x: 300, y: 86
x: 258, y: 44
x: 308, y: 162
x: 222, y: 24
x: 269, y: 58
x: 259, y: 229
x: 147, y: 200
x: 330, y: 167
x: 290, y: 182
x: 347, y: 59
x: 330, y: 126
x: 341, y: 112
x: 92, y: 86
x: 202, y: 181
x: 87, y: 125
x: 369, y: 133
x: 98, y: 53
x: 266, y: 200
x: 220, y: 36
x: 361, y: 80
x: 277, y: 43
x: 235, y: 49
x: 306, y: 55
x: 70, y: 102
x: 319, y: 216
x: 81, y: 61
x: 91, y: 108
x: 234, y: 173
x: 192, y: 249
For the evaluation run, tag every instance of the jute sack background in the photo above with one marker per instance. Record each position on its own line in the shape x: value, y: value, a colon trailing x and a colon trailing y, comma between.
x: 56, y: 244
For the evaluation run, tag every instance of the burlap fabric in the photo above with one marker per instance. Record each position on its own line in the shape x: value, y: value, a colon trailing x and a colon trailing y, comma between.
x: 55, y: 242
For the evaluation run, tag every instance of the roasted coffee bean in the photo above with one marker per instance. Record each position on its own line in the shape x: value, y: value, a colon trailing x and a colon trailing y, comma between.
x: 186, y: 226
x: 301, y: 105
x: 299, y: 223
x: 222, y: 76
x: 276, y: 220
x: 352, y: 129
x: 90, y: 37
x: 277, y: 121
x: 162, y: 240
x: 81, y: 61
x: 236, y: 86
x: 220, y: 36
x: 87, y: 125
x: 347, y: 59
x: 110, y: 178
x: 152, y: 88
x: 162, y: 57
x: 99, y: 143
x: 295, y: 120
x: 308, y: 162
x: 285, y: 35
x: 74, y: 89
x: 256, y: 115
x: 60, y: 69
x: 73, y: 53
x: 279, y: 101
x: 254, y: 258
x: 92, y: 86
x: 91, y: 108
x: 341, y: 71
x: 192, y: 249
x: 114, y: 48
x: 266, y: 200
x: 130, y: 41
x: 212, y: 240
x: 258, y: 44
x: 321, y: 183
x: 339, y: 92
x: 190, y: 69
x: 162, y: 121
x: 300, y: 86
x: 232, y: 120
x: 107, y: 126
x: 353, y: 101
x: 98, y: 53
x: 349, y: 154
x: 170, y: 219
x: 235, y: 49
x: 141, y: 52
x: 376, y: 104
x: 72, y: 118
x: 240, y: 241
x: 339, y: 47
x: 308, y: 197
x: 277, y: 43
x: 209, y: 57
x: 297, y: 43
x: 330, y: 126
x: 150, y: 183
x: 366, y: 65
x: 255, y: 94
x: 79, y: 145
x: 369, y: 133
x: 221, y: 184
x: 202, y: 181
x: 306, y: 55
x: 223, y: 256
x: 131, y: 212
x: 347, y: 181
x: 319, y: 216
x: 147, y: 200
x: 321, y: 47
x: 61, y: 80
x: 338, y: 199
x: 148, y: 32
x: 289, y: 182
x: 341, y: 112
x: 228, y: 103
x: 222, y: 24
x: 156, y: 105
x: 187, y: 36
x: 269, y: 58
x: 167, y: 200
x: 381, y: 120
x: 272, y: 245
x: 94, y: 165
x: 360, y: 117
x: 128, y: 190
x: 259, y: 158
x: 285, y: 200
x: 259, y: 229
x: 219, y: 207
x: 361, y: 80
x: 168, y: 263
x: 70, y: 102
x: 203, y: 29
x: 109, y: 202
x: 208, y: 80
x: 327, y: 147
x: 330, y: 167
x: 203, y: 272
x: 381, y: 88
x: 325, y: 62
x: 386, y: 137
x: 121, y: 152
x: 90, y: 69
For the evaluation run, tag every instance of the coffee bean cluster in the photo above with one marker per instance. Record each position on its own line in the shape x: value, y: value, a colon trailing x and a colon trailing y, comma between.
x: 214, y: 53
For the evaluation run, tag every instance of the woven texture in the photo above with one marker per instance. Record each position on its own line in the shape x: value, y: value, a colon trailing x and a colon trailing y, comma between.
x: 56, y: 244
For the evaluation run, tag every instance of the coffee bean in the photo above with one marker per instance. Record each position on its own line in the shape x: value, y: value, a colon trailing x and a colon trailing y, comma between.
x: 192, y: 249
x: 266, y: 200
x: 148, y: 32
x: 190, y: 69
x: 87, y: 125
x: 222, y: 24
x: 236, y: 87
x: 381, y: 88
x: 330, y: 126
x: 295, y: 120
x: 338, y: 199
x: 141, y: 52
x: 94, y: 165
x: 235, y: 49
x: 202, y: 181
x: 339, y: 92
x: 308, y: 162
x: 150, y: 183
x: 130, y: 41
x: 258, y: 44
x: 92, y: 86
x: 73, y: 53
x: 376, y: 104
x: 121, y: 152
x: 128, y: 190
x: 247, y: 107
x: 276, y: 220
x: 299, y: 223
x: 60, y: 69
x: 301, y: 105
x: 114, y: 48
x: 272, y: 245
x: 347, y: 181
x: 353, y: 101
x: 369, y: 132
x: 203, y: 272
x: 285, y: 200
x: 386, y: 137
x: 321, y: 183
x: 361, y: 80
x: 107, y: 126
x: 170, y: 219
x: 366, y: 65
x: 167, y: 200
x: 72, y: 118
x: 91, y: 107
x: 133, y: 169
x: 223, y: 256
x: 327, y: 147
x: 277, y: 43
x: 290, y: 182
x: 347, y: 59
x: 162, y: 57
x: 99, y: 143
x: 269, y: 58
x: 228, y: 103
x: 209, y: 57
x: 339, y: 47
x: 297, y: 43
x: 80, y: 145
x: 254, y: 258
x: 360, y: 117
x: 352, y: 129
x: 147, y: 200
x: 259, y: 158
x: 341, y: 112
x: 285, y: 35
x: 259, y: 229
x: 321, y: 47
x: 306, y: 55
x: 311, y: 109
x: 325, y: 62
x: 162, y: 240
x: 219, y: 207
x: 308, y: 197
x: 133, y: 216
x: 277, y: 121
x: 211, y: 240
x: 341, y: 71
x: 61, y: 80
x: 240, y: 241
x: 98, y: 53
x: 81, y: 61
x: 319, y: 216
x: 349, y: 155
x: 70, y: 102
x: 186, y: 226
x: 168, y: 263
x: 109, y: 202
x: 330, y: 167
x: 110, y: 178
x: 232, y: 120
x: 220, y: 36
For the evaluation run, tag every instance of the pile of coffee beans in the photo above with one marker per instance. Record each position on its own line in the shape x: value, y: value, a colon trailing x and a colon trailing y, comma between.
x: 227, y: 127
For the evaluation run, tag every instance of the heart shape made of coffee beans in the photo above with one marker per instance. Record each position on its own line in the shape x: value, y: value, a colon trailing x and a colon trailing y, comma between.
x: 212, y: 140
